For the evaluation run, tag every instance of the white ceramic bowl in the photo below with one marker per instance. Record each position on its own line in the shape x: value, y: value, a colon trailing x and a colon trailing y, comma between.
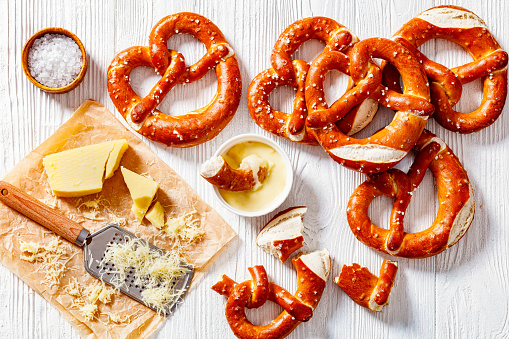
x: 224, y: 148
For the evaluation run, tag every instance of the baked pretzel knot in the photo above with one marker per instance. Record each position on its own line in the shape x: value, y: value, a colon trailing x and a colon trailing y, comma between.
x: 285, y: 72
x: 142, y: 114
x: 312, y: 274
x: 490, y: 63
x: 455, y: 197
x: 387, y: 147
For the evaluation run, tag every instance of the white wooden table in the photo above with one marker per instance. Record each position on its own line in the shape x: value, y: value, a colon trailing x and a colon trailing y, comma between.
x: 461, y: 293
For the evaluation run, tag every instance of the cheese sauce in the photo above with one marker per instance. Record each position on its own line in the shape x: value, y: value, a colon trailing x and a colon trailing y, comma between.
x: 272, y: 186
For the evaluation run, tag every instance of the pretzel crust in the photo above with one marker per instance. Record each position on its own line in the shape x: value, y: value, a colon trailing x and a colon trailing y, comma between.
x: 490, y: 63
x: 387, y: 147
x: 297, y: 307
x: 365, y: 288
x: 142, y: 114
x: 455, y: 196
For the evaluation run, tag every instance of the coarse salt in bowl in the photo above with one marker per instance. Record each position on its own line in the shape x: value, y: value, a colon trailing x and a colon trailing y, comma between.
x: 54, y: 60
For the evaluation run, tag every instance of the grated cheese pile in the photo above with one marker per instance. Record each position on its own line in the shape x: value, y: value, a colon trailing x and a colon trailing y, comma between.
x: 90, y: 209
x: 87, y: 298
x: 153, y: 270
x: 183, y: 231
x: 52, y: 256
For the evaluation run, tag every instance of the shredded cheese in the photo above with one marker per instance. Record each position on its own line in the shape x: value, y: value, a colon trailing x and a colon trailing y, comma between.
x: 153, y: 270
x: 73, y: 288
x: 94, y: 208
x: 53, y: 257
x: 88, y: 311
x: 183, y: 230
x: 94, y: 293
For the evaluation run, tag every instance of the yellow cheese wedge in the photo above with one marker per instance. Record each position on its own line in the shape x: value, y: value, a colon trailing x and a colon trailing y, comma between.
x: 156, y: 215
x: 80, y: 171
x: 142, y: 191
x: 116, y: 154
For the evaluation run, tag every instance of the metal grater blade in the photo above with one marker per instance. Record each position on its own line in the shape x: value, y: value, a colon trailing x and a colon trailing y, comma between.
x: 95, y: 248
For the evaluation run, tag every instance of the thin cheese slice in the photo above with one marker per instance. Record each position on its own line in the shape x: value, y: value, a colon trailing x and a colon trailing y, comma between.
x: 156, y: 215
x: 142, y: 191
x: 114, y: 159
x: 80, y: 171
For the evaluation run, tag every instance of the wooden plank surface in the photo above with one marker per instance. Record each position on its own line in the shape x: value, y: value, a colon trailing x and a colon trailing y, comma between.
x: 461, y: 293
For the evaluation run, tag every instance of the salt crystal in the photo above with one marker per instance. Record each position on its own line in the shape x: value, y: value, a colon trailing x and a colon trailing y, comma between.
x: 54, y: 60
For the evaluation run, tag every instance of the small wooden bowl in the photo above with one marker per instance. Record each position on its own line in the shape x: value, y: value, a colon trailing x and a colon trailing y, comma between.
x: 30, y: 42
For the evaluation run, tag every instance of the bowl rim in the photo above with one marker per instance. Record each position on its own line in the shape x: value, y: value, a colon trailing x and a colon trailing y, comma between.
x: 54, y: 30
x: 228, y: 144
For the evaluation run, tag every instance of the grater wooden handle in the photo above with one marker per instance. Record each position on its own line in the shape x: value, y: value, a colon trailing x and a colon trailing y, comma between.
x: 40, y: 213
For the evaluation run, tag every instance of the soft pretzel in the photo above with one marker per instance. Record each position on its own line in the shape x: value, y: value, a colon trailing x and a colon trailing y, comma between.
x: 365, y: 288
x: 387, y: 147
x: 282, y: 235
x: 455, y: 196
x: 465, y: 28
x: 142, y: 114
x: 250, y: 174
x: 312, y: 273
x: 293, y: 73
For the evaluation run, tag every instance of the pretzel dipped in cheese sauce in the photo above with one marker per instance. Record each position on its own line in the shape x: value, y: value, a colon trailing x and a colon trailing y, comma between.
x: 312, y: 273
x: 455, y: 196
x: 466, y: 29
x: 249, y: 175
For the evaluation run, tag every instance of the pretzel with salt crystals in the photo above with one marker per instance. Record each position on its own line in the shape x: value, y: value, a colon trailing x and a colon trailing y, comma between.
x: 387, y: 147
x: 142, y: 114
x: 312, y: 273
x: 455, y: 201
x: 463, y: 27
x: 250, y: 174
x: 365, y: 288
x: 293, y: 73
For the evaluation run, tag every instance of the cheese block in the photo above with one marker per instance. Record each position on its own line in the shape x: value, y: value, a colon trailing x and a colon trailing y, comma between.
x: 142, y: 191
x: 156, y: 215
x: 82, y: 171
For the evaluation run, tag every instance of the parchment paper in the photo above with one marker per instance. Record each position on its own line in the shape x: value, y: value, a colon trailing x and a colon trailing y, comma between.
x: 93, y: 123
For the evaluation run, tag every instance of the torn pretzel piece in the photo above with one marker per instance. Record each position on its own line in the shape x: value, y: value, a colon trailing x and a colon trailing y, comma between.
x: 365, y: 288
x: 251, y: 173
x: 283, y: 234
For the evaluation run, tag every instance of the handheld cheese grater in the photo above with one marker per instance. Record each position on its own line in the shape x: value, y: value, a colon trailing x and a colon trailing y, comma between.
x: 94, y: 245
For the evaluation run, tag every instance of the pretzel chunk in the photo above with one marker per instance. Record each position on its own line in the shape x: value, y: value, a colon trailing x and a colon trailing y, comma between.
x: 365, y: 288
x: 312, y: 273
x: 455, y: 196
x: 250, y: 175
x: 282, y: 235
